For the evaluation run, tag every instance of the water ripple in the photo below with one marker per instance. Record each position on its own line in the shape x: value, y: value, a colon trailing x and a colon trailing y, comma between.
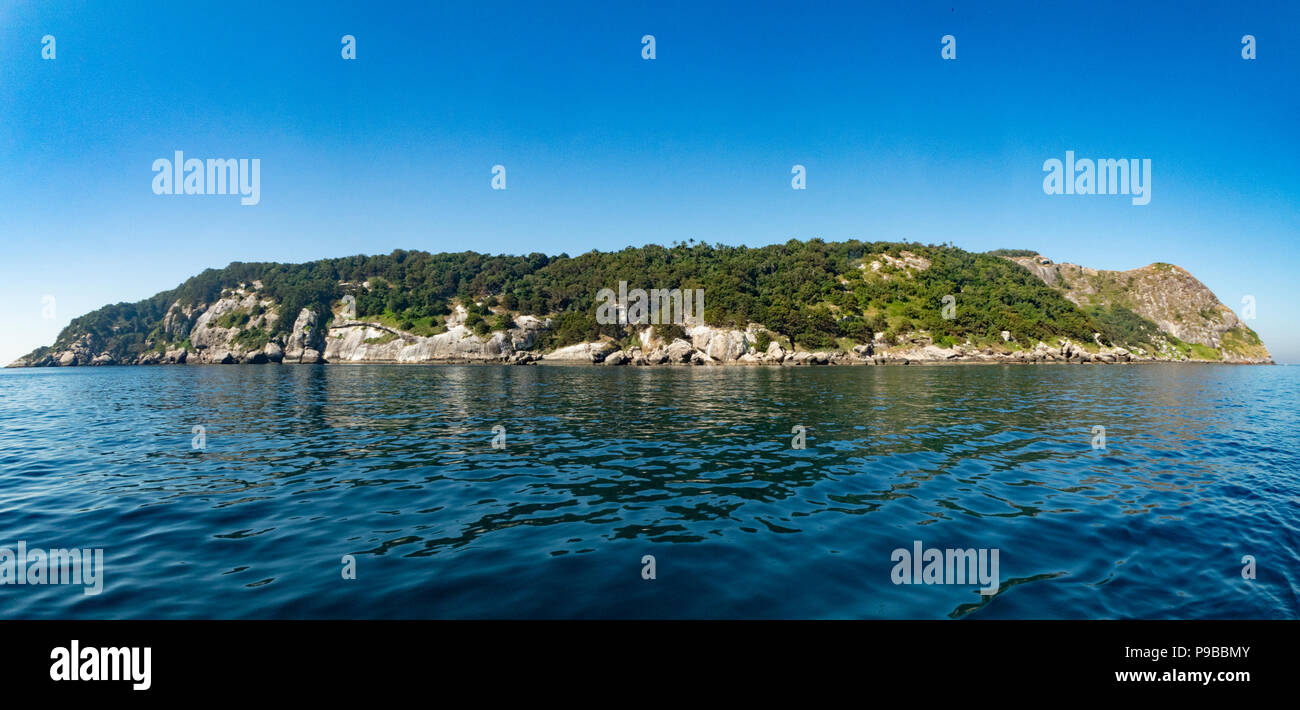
x: 394, y: 466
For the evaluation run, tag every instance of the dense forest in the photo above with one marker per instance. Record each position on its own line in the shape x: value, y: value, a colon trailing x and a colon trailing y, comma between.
x: 819, y: 294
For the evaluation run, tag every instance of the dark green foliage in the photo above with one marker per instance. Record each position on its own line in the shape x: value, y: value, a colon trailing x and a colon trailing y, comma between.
x: 253, y: 338
x: 1119, y: 325
x: 502, y: 321
x: 1012, y: 252
x: 668, y: 332
x: 232, y: 319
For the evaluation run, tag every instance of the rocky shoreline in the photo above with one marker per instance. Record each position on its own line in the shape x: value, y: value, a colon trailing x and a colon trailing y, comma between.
x: 1156, y: 313
x: 242, y: 327
x: 356, y: 342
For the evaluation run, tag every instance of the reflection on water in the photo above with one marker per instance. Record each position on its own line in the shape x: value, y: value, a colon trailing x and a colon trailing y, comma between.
x: 393, y: 465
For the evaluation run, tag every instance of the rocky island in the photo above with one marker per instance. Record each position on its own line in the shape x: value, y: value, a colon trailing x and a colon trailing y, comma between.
x: 798, y: 303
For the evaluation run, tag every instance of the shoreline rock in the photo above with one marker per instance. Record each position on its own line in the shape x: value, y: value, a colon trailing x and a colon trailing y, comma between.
x: 234, y: 330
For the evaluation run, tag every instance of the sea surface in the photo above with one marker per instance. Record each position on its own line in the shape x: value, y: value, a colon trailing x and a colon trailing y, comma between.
x: 300, y: 466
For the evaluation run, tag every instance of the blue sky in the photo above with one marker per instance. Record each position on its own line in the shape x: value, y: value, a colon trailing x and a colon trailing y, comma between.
x: 604, y: 149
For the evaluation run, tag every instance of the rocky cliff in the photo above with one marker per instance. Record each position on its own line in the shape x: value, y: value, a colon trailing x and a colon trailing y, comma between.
x: 1166, y: 295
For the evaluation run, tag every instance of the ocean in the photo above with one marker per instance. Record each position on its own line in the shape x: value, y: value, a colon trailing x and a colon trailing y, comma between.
x: 391, y: 491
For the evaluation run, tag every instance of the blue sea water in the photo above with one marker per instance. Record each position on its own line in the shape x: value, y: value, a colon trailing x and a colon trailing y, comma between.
x: 394, y: 465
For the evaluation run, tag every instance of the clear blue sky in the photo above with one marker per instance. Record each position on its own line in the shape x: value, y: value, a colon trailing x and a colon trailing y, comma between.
x: 604, y: 149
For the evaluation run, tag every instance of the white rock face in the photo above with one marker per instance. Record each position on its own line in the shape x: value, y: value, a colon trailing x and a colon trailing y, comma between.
x: 347, y: 343
x: 207, y: 336
x: 457, y: 316
x: 648, y: 340
x: 934, y: 352
x: 679, y: 351
x: 306, y: 335
x: 527, y: 328
x: 176, y: 324
x: 719, y: 343
x: 583, y: 352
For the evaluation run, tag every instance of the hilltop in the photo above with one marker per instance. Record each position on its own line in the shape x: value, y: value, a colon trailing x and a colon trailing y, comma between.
x: 798, y: 302
x: 1160, y: 295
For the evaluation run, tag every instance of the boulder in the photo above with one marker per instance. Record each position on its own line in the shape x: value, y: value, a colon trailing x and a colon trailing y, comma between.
x: 658, y: 356
x: 938, y: 354
x: 1070, y: 351
x: 523, y: 357
x: 800, y: 358
x: 583, y: 352
x: 679, y: 351
x: 719, y: 343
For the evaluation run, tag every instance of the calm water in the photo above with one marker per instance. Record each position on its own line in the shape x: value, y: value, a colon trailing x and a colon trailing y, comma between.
x: 394, y: 465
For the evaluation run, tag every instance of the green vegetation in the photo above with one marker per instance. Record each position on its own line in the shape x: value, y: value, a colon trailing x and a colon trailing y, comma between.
x: 232, y: 319
x: 669, y: 332
x: 814, y: 293
x: 253, y: 338
x: 503, y: 321
x: 1202, y: 352
x: 1119, y: 325
x: 475, y: 319
x: 407, y: 321
x: 1012, y: 252
x: 1242, y: 342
